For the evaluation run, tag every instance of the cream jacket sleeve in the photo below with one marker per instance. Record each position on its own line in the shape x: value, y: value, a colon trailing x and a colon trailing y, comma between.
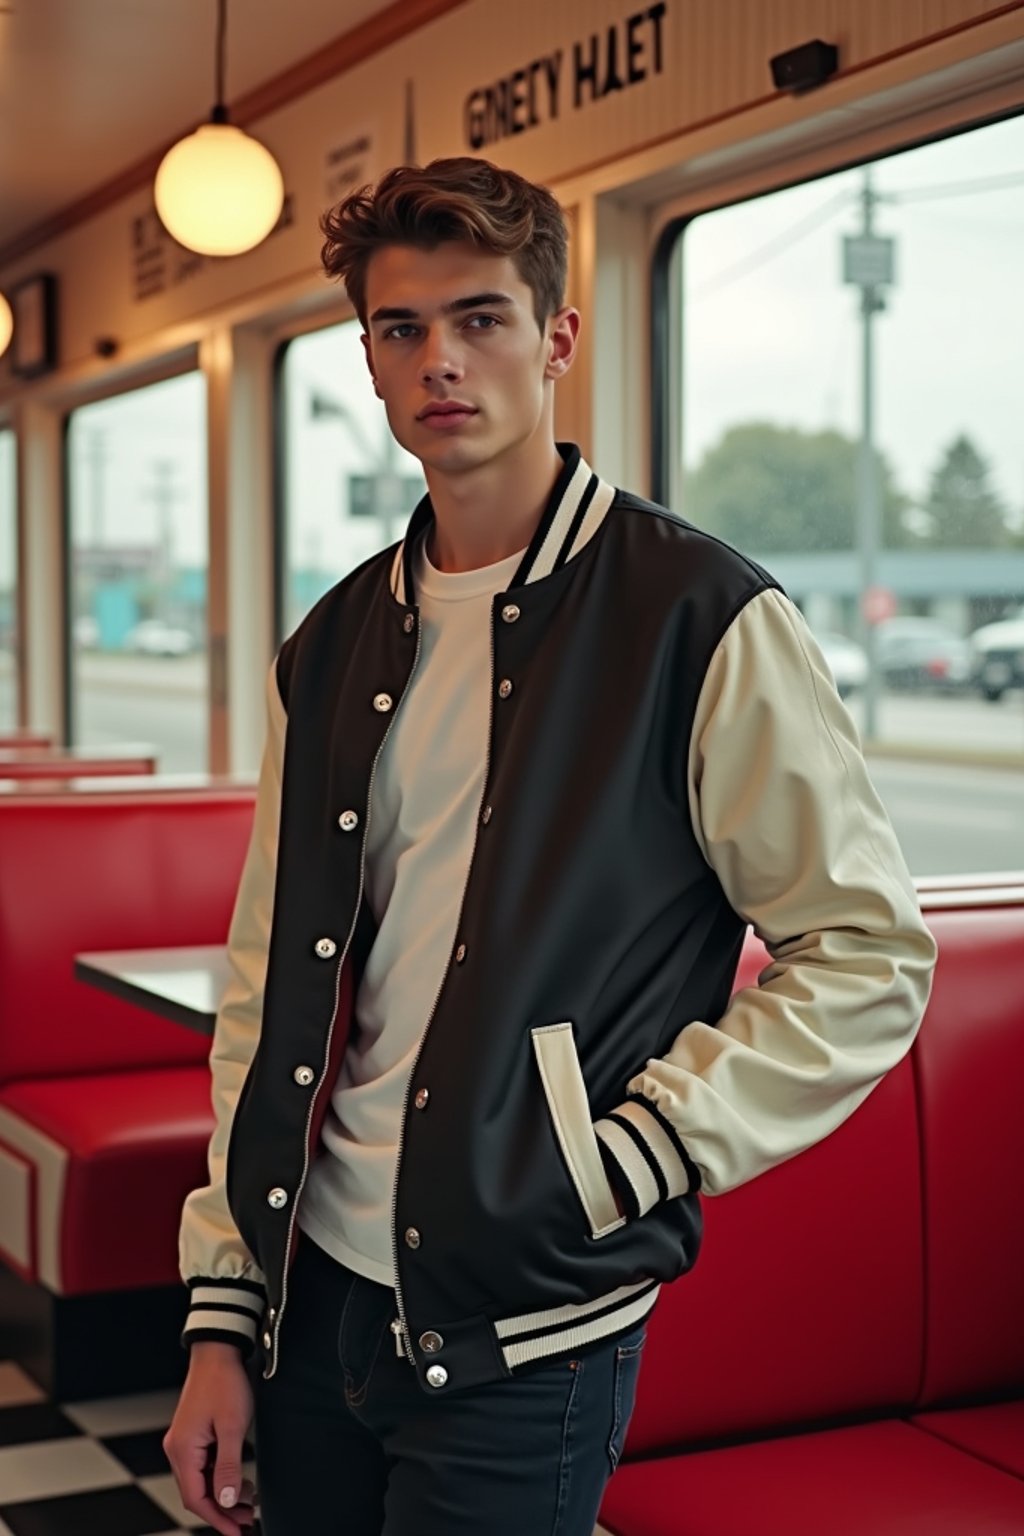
x: 227, y: 1292
x: 788, y: 819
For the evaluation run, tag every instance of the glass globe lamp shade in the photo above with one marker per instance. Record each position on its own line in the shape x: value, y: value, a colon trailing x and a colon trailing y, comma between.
x: 218, y: 191
x: 6, y: 325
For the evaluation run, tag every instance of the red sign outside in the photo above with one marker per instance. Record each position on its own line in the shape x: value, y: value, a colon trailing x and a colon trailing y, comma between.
x: 878, y: 604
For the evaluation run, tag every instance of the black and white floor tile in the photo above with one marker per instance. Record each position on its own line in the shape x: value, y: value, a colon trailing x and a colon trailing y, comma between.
x: 86, y: 1469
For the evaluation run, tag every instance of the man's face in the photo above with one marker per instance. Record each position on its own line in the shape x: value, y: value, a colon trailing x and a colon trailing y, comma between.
x: 457, y: 355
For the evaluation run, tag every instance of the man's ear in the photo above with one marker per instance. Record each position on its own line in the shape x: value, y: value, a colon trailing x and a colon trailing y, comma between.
x: 368, y: 351
x: 563, y: 337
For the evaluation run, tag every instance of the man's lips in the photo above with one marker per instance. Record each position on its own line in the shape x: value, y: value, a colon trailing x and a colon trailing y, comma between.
x: 446, y: 408
x: 446, y: 416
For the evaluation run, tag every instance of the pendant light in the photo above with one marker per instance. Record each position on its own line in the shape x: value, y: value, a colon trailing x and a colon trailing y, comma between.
x: 6, y: 324
x: 219, y: 191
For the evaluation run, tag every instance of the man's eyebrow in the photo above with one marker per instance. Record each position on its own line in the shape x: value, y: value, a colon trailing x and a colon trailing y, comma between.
x: 456, y: 306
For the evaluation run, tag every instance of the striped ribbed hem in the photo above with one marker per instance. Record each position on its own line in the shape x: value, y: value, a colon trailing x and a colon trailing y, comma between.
x: 561, y: 1330
x: 644, y: 1157
x: 228, y: 1311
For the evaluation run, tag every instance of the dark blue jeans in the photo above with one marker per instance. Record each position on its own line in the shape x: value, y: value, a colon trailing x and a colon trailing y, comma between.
x: 348, y: 1444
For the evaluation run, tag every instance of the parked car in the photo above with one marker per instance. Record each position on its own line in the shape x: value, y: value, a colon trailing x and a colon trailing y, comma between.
x: 86, y: 631
x: 155, y: 638
x: 997, y: 656
x: 847, y: 662
x: 921, y: 653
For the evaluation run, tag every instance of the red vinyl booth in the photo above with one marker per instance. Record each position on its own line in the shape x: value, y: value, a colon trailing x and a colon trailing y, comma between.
x: 104, y: 1108
x: 847, y: 1356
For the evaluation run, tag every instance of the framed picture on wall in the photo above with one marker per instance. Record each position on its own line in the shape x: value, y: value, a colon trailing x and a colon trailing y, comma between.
x: 34, y: 345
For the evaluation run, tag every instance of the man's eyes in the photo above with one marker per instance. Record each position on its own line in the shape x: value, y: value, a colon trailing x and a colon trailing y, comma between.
x: 406, y: 329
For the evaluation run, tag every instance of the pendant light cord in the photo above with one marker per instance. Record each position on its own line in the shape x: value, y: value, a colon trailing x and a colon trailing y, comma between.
x: 220, y: 111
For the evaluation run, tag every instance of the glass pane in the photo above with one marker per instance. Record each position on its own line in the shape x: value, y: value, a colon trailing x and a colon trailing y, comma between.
x: 349, y: 487
x: 8, y: 583
x: 138, y: 520
x: 852, y: 398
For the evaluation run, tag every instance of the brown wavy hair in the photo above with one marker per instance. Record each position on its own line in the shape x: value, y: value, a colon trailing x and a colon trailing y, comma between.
x: 463, y: 199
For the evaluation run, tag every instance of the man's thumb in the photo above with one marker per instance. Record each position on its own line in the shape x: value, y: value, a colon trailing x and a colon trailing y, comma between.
x: 227, y: 1476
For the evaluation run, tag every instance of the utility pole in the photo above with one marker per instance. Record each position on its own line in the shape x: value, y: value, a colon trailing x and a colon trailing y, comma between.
x: 164, y: 493
x: 868, y: 264
x: 96, y: 457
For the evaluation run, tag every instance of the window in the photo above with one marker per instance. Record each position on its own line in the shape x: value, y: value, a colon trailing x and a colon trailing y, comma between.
x: 906, y: 546
x: 137, y: 573
x: 8, y: 584
x: 348, y: 487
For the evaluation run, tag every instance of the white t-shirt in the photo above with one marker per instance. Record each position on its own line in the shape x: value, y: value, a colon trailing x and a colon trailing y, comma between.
x: 426, y: 798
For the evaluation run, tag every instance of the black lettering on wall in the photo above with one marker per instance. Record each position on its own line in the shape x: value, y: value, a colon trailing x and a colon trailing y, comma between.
x: 624, y: 54
x: 657, y: 14
x: 584, y: 70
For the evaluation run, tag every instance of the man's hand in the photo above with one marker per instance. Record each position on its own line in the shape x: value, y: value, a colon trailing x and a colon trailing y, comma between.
x: 204, y: 1442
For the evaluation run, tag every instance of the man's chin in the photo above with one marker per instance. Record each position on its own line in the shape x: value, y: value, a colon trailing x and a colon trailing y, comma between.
x: 454, y: 456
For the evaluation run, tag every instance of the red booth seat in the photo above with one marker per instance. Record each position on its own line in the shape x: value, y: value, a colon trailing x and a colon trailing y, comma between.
x: 108, y: 1159
x: 847, y: 1356
x: 104, y: 1109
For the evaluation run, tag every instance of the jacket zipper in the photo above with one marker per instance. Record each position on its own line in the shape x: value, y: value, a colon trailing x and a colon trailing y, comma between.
x: 272, y: 1367
x: 400, y: 1326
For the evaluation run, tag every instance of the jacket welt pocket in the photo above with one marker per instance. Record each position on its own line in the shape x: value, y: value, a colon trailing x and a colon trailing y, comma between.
x: 566, y: 1093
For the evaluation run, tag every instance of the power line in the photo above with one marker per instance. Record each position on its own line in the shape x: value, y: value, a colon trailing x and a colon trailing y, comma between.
x: 773, y: 247
x: 955, y: 188
x: 821, y: 214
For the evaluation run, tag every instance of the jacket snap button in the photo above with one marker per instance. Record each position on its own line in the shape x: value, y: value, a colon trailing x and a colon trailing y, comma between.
x: 325, y: 948
x: 382, y: 703
x: 412, y: 1237
x: 431, y: 1342
x: 422, y: 1099
x: 277, y: 1199
x: 272, y: 1316
x: 348, y: 821
x: 408, y: 623
x: 460, y: 954
x: 504, y: 688
x: 267, y: 1341
x: 486, y: 814
x: 510, y: 613
x: 303, y: 1076
x: 437, y: 1375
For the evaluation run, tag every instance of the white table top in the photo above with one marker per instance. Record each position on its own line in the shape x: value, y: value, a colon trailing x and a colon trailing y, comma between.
x: 184, y: 984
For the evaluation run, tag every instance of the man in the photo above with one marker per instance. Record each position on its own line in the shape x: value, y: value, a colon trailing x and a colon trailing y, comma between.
x: 528, y: 779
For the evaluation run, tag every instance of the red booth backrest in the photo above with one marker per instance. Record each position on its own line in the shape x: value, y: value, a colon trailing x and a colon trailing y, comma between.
x: 969, y: 1065
x: 884, y: 1268
x: 94, y: 872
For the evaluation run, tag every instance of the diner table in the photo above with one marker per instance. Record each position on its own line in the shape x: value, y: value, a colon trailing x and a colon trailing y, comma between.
x: 23, y: 739
x: 184, y: 984
x: 35, y: 763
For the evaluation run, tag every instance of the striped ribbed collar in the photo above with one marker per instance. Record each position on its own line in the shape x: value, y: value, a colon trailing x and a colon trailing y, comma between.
x: 577, y: 506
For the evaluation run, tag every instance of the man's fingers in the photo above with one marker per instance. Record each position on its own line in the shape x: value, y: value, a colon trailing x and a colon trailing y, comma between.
x: 191, y: 1468
x: 188, y: 1463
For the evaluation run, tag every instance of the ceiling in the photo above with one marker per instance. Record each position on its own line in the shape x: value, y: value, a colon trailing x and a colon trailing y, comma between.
x: 90, y: 87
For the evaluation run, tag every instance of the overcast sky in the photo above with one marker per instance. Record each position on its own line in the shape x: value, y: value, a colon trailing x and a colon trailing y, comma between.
x: 771, y: 333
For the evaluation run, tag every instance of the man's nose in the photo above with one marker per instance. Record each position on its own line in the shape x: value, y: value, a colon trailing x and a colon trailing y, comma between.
x: 439, y: 360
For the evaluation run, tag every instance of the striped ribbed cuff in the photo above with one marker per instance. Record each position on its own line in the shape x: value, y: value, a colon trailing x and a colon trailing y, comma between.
x: 227, y: 1311
x: 644, y: 1157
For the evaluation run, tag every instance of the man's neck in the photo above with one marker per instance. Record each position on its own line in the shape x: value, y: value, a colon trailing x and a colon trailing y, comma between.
x: 492, y: 512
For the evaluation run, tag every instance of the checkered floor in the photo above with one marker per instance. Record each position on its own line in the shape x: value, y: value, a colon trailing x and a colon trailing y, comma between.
x: 86, y: 1469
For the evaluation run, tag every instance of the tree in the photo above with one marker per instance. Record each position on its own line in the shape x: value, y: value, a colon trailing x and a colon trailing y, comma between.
x: 766, y: 488
x: 964, y: 510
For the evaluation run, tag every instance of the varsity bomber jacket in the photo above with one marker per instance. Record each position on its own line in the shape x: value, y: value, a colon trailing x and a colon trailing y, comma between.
x: 668, y: 762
